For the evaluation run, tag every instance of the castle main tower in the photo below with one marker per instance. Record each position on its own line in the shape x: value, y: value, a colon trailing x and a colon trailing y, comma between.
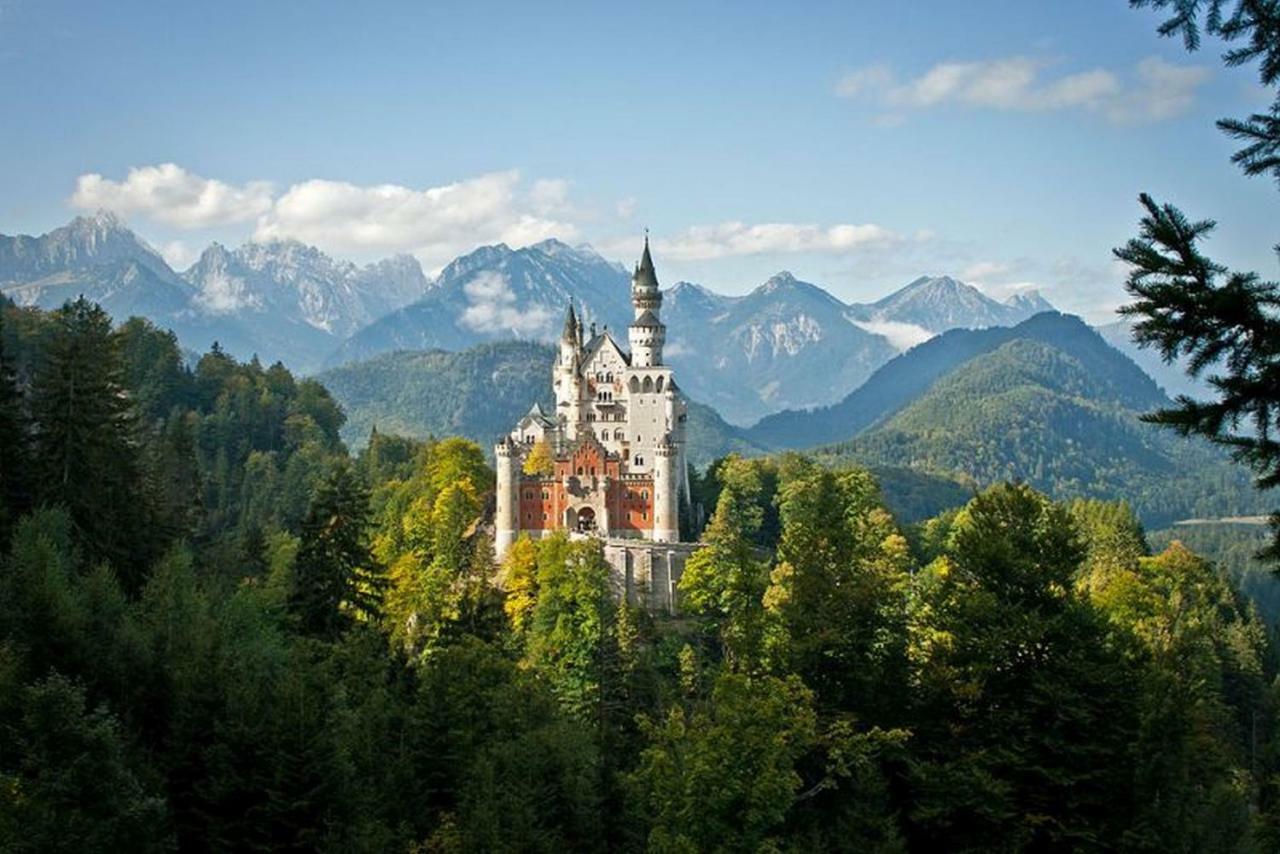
x: 646, y: 335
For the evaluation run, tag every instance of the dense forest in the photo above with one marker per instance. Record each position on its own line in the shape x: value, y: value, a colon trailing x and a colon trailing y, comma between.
x: 220, y: 631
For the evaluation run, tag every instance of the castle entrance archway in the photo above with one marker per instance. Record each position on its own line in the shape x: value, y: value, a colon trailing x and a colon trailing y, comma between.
x: 586, y: 520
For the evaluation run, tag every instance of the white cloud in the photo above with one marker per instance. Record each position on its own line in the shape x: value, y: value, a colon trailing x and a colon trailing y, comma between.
x: 869, y: 79
x: 626, y: 208
x: 492, y: 308
x: 178, y: 255
x: 1155, y: 90
x: 1163, y: 91
x: 170, y: 194
x: 981, y: 271
x: 677, y: 349
x: 435, y: 223
x: 737, y: 238
x: 904, y: 336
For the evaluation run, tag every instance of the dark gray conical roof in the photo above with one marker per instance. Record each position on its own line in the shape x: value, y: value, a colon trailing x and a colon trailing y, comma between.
x: 647, y: 319
x: 645, y: 278
x: 570, y: 332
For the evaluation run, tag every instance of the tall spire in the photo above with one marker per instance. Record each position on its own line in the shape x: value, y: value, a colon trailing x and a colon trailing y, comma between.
x: 645, y: 277
x: 570, y: 332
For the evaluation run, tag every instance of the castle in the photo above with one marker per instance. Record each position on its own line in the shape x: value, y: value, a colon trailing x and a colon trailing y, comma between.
x: 610, y: 460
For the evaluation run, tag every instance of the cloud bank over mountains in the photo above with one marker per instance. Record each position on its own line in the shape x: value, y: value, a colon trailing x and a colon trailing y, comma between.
x: 435, y: 223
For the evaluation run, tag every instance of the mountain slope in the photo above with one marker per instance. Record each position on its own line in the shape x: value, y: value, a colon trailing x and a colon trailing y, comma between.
x: 84, y: 243
x: 1172, y: 377
x: 1066, y: 424
x: 97, y: 257
x: 935, y: 304
x: 478, y: 393
x: 910, y: 374
x: 785, y: 344
x: 497, y: 293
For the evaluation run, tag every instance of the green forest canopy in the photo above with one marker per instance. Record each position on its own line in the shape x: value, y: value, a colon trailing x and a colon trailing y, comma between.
x: 235, y: 636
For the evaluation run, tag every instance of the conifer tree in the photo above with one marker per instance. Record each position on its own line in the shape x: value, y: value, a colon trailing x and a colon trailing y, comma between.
x: 1226, y: 323
x: 336, y: 579
x: 15, y: 471
x: 88, y: 454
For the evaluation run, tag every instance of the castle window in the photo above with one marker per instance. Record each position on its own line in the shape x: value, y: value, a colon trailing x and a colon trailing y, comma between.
x: 648, y: 384
x: 658, y: 384
x: 608, y: 378
x: 544, y: 517
x: 644, y: 514
x: 545, y: 495
x: 639, y: 461
x: 617, y: 434
x: 634, y: 385
x: 644, y: 495
x: 528, y: 494
x: 579, y: 471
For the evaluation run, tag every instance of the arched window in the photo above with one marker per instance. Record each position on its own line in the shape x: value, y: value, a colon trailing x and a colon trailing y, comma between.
x: 648, y: 384
x: 658, y: 385
x: 617, y: 434
x: 634, y: 385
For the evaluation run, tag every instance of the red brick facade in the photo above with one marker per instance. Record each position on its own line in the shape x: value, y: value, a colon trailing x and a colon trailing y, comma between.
x: 544, y: 501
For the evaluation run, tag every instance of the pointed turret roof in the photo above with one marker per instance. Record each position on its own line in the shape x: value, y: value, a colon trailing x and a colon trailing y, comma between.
x: 647, y: 319
x: 570, y: 332
x: 537, y: 414
x: 645, y: 278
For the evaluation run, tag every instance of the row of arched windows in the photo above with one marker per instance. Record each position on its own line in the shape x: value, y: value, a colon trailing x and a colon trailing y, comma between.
x: 646, y: 385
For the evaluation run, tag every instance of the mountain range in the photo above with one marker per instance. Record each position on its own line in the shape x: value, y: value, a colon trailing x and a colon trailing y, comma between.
x: 281, y: 300
x: 787, y: 344
x: 1026, y: 393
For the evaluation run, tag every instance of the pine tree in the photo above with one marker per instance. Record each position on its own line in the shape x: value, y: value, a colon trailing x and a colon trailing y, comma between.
x: 1227, y: 323
x: 88, y: 454
x: 15, y: 462
x: 336, y: 579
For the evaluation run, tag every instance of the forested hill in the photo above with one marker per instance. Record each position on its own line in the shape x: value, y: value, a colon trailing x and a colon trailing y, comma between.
x: 478, y: 393
x: 909, y: 375
x: 1065, y: 421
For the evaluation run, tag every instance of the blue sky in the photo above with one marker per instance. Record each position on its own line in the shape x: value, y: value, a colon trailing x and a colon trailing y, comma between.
x: 857, y: 145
